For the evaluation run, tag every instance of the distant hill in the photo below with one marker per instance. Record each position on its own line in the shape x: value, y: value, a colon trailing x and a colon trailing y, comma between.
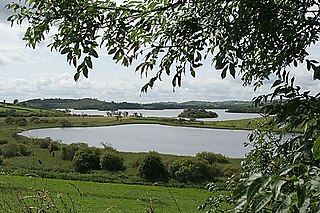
x: 90, y: 103
x: 20, y: 110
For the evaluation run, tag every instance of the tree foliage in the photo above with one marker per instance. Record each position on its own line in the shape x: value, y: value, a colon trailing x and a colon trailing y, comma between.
x: 191, y: 169
x: 197, y: 113
x: 112, y: 161
x: 85, y: 159
x: 152, y: 168
x: 237, y: 36
x: 256, y: 40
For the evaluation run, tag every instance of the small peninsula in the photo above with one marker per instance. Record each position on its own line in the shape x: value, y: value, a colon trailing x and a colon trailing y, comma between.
x: 197, y: 113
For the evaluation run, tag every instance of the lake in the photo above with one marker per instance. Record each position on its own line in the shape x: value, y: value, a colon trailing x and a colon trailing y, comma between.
x: 173, y: 113
x: 146, y: 137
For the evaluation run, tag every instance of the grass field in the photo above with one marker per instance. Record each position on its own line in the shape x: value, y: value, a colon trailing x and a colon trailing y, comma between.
x: 26, y: 111
x: 96, y: 197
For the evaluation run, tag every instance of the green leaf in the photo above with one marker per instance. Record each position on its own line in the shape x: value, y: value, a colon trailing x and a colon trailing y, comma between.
x: 65, y: 50
x: 232, y: 70
x: 85, y: 71
x: 193, y: 73
x: 282, y: 206
x: 316, y: 74
x: 94, y: 53
x: 316, y: 149
x: 276, y: 83
x: 276, y: 186
x: 239, y: 194
x: 261, y: 201
x: 304, y: 207
x: 89, y: 62
x: 224, y: 73
x: 76, y: 76
x: 301, y: 192
x: 74, y: 60
x: 112, y: 51
x: 256, y: 185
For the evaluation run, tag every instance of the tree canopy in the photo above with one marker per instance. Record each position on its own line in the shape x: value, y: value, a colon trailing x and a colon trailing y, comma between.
x: 256, y: 40
x: 251, y: 38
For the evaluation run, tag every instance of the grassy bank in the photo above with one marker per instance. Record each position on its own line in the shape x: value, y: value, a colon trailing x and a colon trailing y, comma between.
x: 95, y: 197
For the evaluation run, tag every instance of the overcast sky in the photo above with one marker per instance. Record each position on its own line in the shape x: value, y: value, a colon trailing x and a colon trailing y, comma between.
x: 28, y: 74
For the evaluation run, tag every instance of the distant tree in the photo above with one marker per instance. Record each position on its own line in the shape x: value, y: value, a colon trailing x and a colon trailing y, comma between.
x: 190, y: 169
x: 197, y: 113
x: 212, y: 157
x: 85, y: 159
x: 68, y: 151
x: 152, y: 168
x: 112, y: 161
x: 15, y: 101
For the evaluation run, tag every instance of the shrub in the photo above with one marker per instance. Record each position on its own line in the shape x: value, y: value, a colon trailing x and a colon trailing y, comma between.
x: 9, y: 150
x: 85, y: 159
x: 1, y: 161
x: 152, y: 168
x: 35, y: 120
x: 191, y: 169
x: 21, y: 122
x: 212, y: 157
x: 68, y: 151
x: 17, y: 121
x: 9, y: 120
x: 44, y: 143
x: 230, y: 170
x: 53, y: 146
x: 65, y: 123
x: 24, y: 150
x: 111, y: 161
x: 3, y: 141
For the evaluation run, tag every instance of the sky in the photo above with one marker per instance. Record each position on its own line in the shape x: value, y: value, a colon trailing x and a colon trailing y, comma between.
x: 28, y: 74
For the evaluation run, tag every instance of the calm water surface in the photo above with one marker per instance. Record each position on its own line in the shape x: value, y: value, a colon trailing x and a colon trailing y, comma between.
x: 173, y: 113
x: 145, y: 137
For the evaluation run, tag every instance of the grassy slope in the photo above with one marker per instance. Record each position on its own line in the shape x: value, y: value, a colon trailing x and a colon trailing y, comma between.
x: 21, y: 109
x: 102, y: 197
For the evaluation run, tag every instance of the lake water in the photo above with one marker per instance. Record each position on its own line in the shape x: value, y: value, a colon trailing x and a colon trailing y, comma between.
x: 173, y: 113
x: 146, y: 137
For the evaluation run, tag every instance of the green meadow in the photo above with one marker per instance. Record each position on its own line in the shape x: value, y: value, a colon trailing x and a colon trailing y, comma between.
x: 85, y: 196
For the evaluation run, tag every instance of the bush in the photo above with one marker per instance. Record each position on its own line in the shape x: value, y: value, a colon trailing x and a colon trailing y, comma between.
x: 111, y: 161
x: 152, y: 168
x: 85, y: 159
x: 212, y: 157
x: 16, y: 121
x: 68, y: 151
x: 3, y: 141
x: 1, y: 161
x: 44, y: 143
x: 191, y: 169
x: 35, y: 120
x: 53, y: 146
x: 9, y: 150
x: 231, y: 170
x: 21, y: 122
x: 65, y: 123
x: 24, y: 150
x: 9, y: 120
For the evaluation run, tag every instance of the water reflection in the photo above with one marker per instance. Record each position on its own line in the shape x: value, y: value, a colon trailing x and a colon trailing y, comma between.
x: 144, y: 138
